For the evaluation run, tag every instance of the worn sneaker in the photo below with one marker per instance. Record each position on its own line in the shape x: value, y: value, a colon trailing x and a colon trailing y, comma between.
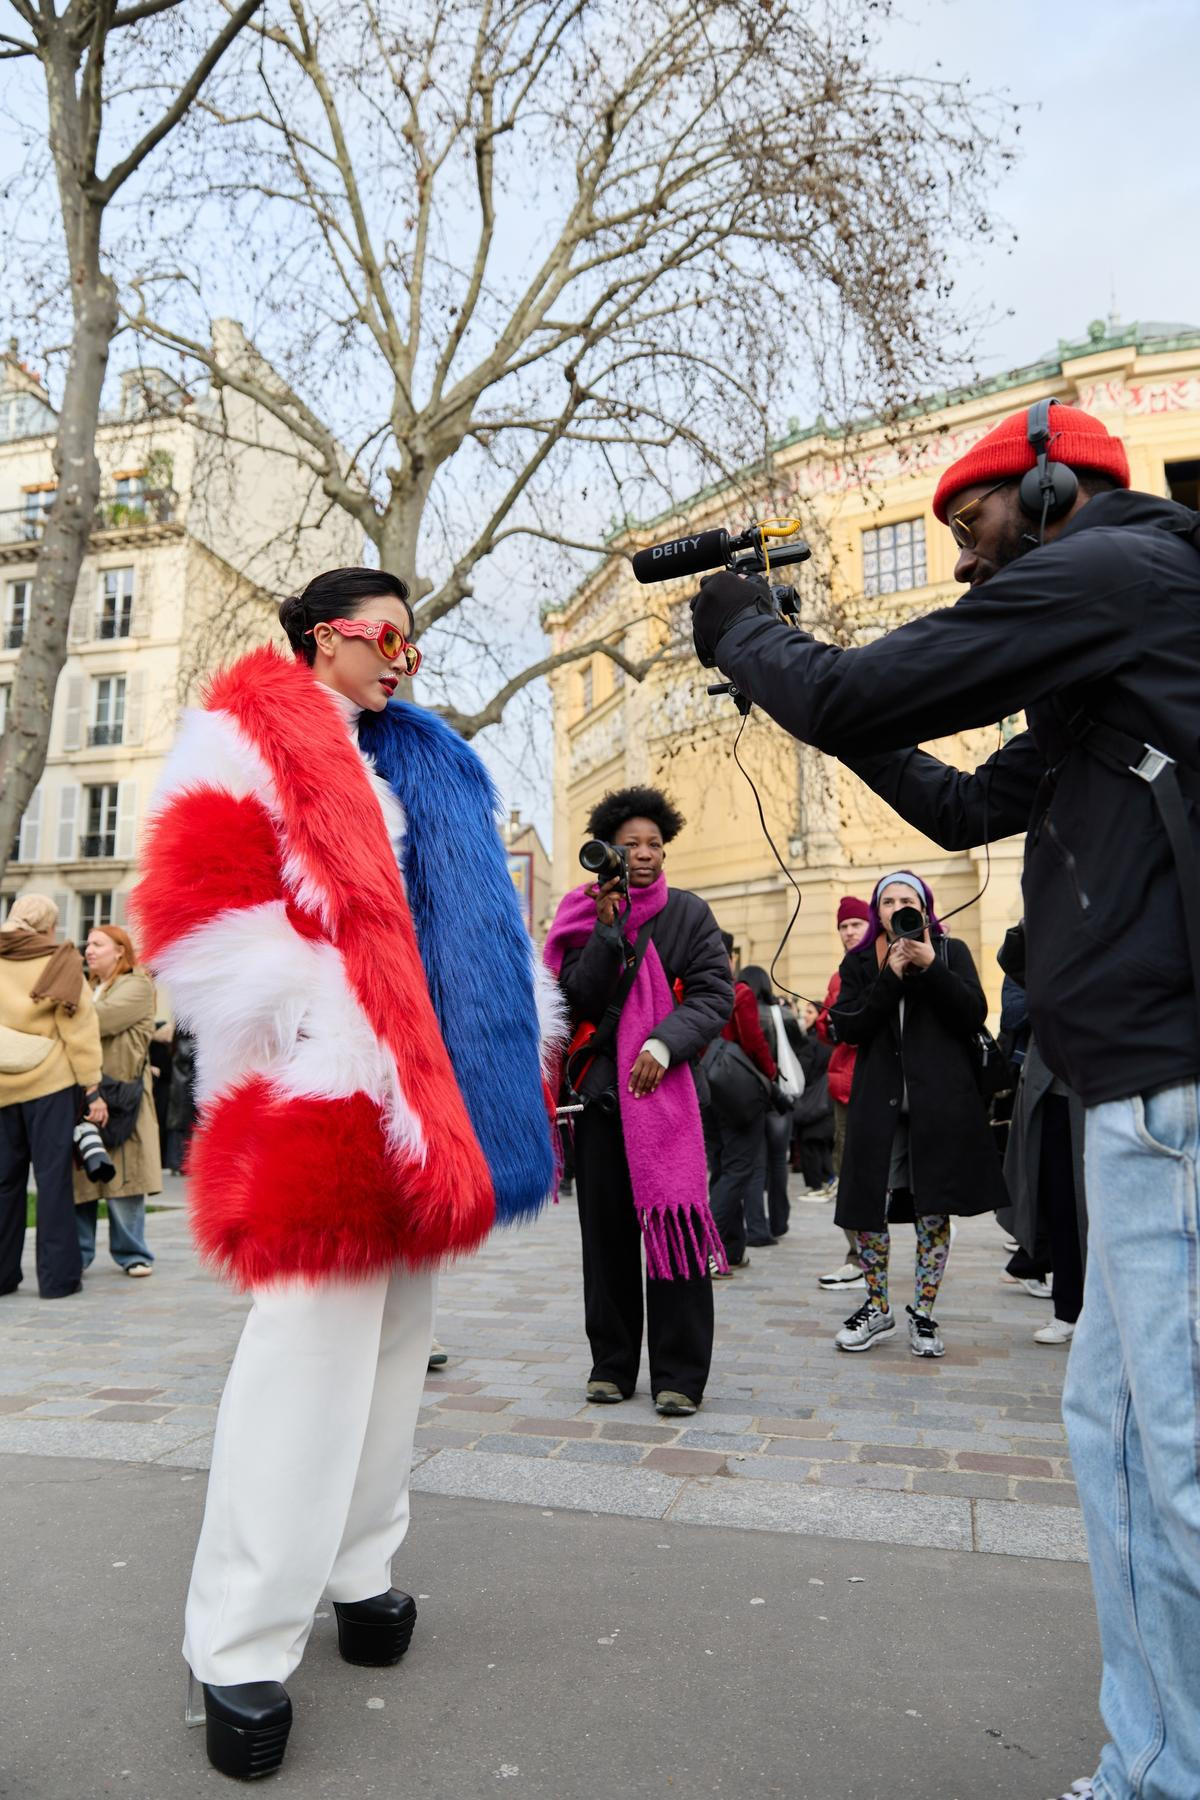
x: 604, y: 1393
x: 438, y: 1358
x: 1033, y: 1284
x: 924, y: 1338
x: 863, y: 1327
x: 1059, y: 1331
x: 1078, y: 1790
x: 848, y: 1276
x: 674, y: 1406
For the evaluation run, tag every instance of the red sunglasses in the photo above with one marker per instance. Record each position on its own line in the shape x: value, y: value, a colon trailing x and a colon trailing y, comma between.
x: 388, y: 639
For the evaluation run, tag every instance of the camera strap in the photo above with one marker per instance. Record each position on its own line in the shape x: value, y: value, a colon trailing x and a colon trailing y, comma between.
x: 603, y: 1038
x: 1168, y: 784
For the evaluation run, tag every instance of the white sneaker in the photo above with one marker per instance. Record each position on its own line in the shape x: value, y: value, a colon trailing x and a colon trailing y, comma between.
x: 863, y: 1327
x: 1078, y: 1790
x: 1059, y: 1331
x: 848, y: 1276
x: 1032, y: 1285
x: 924, y: 1338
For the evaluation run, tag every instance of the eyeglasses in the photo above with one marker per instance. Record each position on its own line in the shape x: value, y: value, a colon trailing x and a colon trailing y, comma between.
x: 962, y: 528
x: 388, y: 639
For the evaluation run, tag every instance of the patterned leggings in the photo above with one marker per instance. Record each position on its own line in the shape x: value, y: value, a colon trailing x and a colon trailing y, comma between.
x: 933, y: 1247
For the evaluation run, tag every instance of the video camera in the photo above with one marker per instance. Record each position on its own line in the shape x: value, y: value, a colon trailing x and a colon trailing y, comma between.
x: 750, y: 553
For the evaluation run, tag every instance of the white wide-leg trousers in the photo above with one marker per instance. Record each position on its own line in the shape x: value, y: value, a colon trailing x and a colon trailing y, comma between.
x: 308, y: 1493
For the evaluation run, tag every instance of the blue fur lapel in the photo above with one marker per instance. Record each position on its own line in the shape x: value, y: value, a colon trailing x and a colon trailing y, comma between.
x: 476, y: 951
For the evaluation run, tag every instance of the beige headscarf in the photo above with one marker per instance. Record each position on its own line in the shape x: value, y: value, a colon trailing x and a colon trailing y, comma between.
x: 32, y: 912
x: 28, y: 932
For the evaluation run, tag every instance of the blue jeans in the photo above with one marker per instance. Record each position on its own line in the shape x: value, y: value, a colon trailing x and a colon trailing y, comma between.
x: 1132, y: 1410
x: 126, y: 1230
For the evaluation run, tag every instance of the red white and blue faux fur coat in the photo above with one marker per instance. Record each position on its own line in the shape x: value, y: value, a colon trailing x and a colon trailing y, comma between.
x: 370, y: 1071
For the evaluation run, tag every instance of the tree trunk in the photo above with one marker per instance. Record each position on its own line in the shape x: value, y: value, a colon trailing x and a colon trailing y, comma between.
x: 67, y: 530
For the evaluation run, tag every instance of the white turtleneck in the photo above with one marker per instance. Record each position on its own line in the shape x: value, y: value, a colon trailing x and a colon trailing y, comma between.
x: 389, y: 806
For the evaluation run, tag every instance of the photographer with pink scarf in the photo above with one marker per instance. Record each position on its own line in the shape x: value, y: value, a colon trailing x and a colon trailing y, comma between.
x: 640, y: 1171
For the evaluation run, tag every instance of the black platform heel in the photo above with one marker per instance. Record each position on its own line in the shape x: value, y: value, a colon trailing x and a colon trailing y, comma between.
x: 375, y: 1633
x: 246, y: 1726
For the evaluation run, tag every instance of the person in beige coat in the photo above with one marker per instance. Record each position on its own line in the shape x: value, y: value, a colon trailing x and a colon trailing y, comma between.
x: 49, y: 1052
x: 125, y: 1007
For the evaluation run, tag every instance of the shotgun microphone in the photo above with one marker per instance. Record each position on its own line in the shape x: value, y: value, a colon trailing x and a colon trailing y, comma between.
x: 682, y: 556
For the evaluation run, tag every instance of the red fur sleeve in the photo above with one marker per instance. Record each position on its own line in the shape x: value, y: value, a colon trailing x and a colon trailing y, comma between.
x: 205, y: 853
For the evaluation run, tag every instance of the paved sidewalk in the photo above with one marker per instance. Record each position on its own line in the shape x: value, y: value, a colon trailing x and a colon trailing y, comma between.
x: 967, y: 1453
x: 558, y: 1655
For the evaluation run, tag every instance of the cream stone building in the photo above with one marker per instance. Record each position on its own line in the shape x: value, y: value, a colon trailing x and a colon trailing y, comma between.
x: 198, y: 532
x: 879, y: 558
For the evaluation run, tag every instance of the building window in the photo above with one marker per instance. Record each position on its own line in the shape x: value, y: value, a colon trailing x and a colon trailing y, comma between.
x: 108, y: 719
x: 16, y: 613
x: 116, y: 603
x: 100, y: 834
x: 585, y: 688
x: 5, y: 692
x: 1183, y: 482
x: 37, y: 504
x: 894, y: 557
x: 94, y: 909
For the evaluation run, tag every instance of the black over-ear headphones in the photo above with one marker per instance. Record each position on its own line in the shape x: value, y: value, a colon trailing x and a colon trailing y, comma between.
x: 1048, y: 490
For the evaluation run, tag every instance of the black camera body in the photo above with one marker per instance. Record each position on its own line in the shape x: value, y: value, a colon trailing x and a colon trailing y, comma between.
x: 909, y: 922
x: 607, y: 862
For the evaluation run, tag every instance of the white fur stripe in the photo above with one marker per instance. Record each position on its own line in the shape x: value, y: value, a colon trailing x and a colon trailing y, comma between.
x: 263, y: 1000
x: 210, y: 751
x: 554, y: 1024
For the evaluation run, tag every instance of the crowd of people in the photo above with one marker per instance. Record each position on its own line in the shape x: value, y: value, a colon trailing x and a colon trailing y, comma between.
x: 889, y: 1099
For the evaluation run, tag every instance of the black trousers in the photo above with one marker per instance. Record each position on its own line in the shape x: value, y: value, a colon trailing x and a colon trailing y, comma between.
x: 39, y: 1131
x: 737, y: 1174
x: 778, y: 1129
x: 1056, y: 1204
x: 678, y: 1314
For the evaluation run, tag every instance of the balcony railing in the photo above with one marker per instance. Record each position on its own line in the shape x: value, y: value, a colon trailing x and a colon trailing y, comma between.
x: 114, y: 625
x: 27, y: 525
x: 106, y: 734
x: 98, y: 844
x: 14, y: 637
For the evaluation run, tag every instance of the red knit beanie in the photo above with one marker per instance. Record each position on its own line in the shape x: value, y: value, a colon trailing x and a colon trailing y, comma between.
x: 1077, y: 439
x: 850, y: 908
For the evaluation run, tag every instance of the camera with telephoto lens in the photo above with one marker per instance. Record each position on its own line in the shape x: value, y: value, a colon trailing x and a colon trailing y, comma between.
x: 909, y: 922
x: 89, y: 1147
x: 749, y: 553
x: 607, y: 862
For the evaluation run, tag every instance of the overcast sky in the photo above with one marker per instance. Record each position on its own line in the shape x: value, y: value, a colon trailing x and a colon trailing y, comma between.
x: 1104, y: 197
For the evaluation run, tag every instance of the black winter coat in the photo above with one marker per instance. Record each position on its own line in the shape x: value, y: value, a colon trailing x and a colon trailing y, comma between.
x: 954, y: 1163
x: 688, y: 940
x: 1105, y: 618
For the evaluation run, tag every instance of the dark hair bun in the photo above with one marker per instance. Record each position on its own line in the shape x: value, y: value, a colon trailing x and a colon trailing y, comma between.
x: 292, y: 618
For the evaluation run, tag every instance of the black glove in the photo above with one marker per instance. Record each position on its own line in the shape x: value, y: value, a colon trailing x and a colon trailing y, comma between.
x: 724, y: 597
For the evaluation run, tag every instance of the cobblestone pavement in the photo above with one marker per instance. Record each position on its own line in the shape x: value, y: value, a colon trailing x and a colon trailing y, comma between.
x: 964, y: 1453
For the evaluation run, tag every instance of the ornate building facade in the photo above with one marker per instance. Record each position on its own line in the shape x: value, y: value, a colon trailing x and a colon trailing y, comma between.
x: 879, y: 557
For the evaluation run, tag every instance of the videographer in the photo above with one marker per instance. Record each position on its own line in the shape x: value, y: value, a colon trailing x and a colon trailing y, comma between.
x: 1083, y: 611
x: 640, y: 1171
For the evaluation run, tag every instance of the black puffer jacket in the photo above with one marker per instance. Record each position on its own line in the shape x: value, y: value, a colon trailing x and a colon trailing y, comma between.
x: 1105, y: 618
x: 955, y: 1168
x: 688, y: 940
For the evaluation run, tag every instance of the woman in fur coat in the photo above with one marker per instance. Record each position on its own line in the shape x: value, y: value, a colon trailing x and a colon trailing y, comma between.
x: 326, y: 896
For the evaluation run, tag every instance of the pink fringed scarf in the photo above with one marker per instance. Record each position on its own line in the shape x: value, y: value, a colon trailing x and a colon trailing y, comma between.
x: 664, y: 1139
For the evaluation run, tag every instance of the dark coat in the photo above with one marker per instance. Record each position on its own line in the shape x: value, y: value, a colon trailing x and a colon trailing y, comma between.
x: 1103, y: 618
x: 1025, y: 1217
x: 690, y: 948
x: 954, y: 1163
